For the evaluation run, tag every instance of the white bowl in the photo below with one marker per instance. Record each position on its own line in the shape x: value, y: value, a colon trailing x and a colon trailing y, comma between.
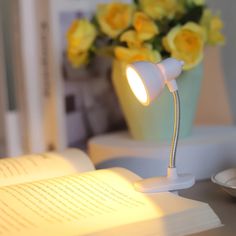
x: 227, y: 180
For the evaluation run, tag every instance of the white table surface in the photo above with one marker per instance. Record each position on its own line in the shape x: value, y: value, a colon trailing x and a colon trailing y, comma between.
x: 207, y: 151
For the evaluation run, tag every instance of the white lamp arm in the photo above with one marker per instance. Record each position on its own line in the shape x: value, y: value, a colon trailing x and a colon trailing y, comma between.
x: 172, y: 85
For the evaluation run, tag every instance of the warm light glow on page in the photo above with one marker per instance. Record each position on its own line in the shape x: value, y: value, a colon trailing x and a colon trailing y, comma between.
x: 84, y: 203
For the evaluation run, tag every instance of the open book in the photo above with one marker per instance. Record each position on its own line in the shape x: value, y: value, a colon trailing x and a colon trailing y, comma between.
x: 62, y: 194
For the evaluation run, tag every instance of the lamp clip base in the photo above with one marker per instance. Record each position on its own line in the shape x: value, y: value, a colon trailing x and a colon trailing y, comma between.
x: 171, y: 182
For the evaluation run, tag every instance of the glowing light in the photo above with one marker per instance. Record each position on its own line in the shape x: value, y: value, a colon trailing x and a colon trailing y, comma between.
x: 137, y: 86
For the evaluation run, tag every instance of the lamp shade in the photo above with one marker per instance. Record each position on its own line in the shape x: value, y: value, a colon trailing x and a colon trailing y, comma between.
x: 147, y: 79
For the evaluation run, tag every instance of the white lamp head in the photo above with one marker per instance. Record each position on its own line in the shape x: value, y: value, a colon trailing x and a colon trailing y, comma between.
x: 147, y: 79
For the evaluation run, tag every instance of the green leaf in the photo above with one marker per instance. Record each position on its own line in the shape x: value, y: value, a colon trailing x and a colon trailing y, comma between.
x: 157, y: 43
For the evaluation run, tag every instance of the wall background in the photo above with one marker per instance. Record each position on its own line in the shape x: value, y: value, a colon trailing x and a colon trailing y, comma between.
x: 228, y: 52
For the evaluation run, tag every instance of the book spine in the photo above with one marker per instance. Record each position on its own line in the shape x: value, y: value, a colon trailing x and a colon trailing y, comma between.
x: 52, y: 93
x: 13, y: 139
x: 30, y: 85
x: 10, y: 136
x: 2, y: 94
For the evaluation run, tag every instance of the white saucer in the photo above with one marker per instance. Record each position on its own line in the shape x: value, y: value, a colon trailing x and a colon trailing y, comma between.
x: 227, y: 180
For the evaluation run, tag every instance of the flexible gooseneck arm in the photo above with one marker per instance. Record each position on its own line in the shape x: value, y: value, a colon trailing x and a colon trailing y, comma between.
x: 175, y: 137
x: 173, y: 181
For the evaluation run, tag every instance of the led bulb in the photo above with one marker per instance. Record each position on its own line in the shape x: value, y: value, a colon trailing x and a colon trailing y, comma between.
x: 137, y: 86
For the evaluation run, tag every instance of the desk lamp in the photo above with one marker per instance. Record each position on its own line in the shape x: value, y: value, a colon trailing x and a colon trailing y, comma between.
x: 146, y: 81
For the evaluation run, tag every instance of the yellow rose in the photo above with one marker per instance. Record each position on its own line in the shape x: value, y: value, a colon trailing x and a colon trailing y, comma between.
x: 115, y: 17
x: 144, y: 26
x: 158, y: 9
x: 186, y: 43
x: 80, y: 35
x: 132, y: 39
x: 145, y: 29
x: 130, y: 55
x: 213, y: 26
x: 77, y: 59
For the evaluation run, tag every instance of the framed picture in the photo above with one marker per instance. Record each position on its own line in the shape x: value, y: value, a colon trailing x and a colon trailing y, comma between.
x: 83, y: 99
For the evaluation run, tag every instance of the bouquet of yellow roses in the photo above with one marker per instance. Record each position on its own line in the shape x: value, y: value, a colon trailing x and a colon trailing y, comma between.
x: 148, y: 30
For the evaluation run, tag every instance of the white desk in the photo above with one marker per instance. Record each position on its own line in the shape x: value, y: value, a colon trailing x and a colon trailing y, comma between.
x: 207, y: 151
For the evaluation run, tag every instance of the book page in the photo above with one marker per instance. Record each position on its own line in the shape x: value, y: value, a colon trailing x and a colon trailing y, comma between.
x: 93, y: 203
x: 42, y: 166
x: 72, y: 205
